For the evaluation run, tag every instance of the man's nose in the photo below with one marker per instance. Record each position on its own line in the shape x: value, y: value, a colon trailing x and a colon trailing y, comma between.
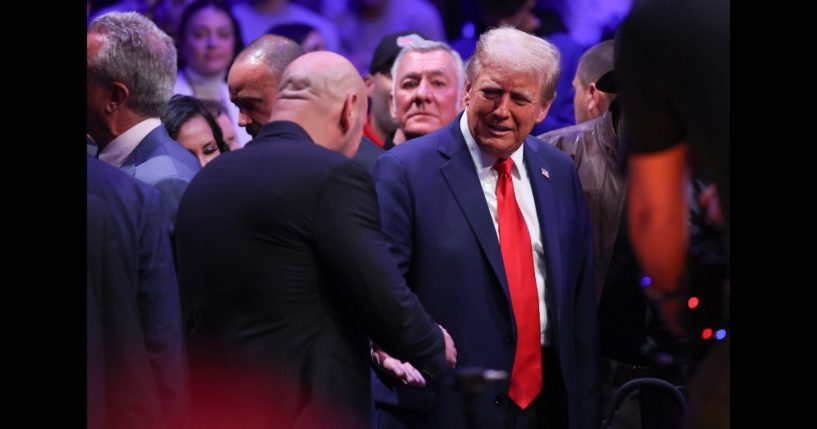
x: 423, y: 92
x: 502, y: 108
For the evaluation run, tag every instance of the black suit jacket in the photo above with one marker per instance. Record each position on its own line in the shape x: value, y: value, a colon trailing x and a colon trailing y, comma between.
x: 283, y: 267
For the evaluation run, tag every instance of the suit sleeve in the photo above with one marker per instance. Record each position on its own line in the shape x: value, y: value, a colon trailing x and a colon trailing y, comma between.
x: 171, y: 190
x: 393, y: 194
x: 351, y: 244
x: 586, y: 341
x: 160, y: 311
x: 121, y: 392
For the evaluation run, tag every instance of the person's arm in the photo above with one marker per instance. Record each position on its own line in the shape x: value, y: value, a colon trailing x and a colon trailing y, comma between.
x: 657, y: 215
x: 350, y: 242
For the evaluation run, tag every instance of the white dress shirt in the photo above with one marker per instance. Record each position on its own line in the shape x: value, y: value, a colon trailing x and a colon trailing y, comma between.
x: 484, y: 163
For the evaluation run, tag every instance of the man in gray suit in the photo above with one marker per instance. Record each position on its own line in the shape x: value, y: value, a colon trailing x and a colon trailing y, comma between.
x: 131, y: 71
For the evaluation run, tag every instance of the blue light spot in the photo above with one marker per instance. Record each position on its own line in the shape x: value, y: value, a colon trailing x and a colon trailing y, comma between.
x: 646, y: 281
x: 469, y: 30
x: 720, y: 334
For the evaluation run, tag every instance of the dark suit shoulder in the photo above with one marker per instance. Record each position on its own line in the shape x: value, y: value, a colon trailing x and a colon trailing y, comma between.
x: 298, y: 157
x: 416, y: 147
x: 286, y: 173
x: 419, y: 153
x: 104, y: 181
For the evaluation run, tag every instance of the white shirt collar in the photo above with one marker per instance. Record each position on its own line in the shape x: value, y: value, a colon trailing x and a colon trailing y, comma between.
x: 482, y: 160
x: 116, y: 152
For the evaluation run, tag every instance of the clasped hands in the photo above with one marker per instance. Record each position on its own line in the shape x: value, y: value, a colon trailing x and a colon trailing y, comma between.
x: 405, y: 371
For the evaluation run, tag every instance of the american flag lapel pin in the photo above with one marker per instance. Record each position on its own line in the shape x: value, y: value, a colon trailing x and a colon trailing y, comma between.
x: 545, y: 173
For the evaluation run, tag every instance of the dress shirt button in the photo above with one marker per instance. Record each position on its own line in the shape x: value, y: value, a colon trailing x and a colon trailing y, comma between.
x: 499, y: 400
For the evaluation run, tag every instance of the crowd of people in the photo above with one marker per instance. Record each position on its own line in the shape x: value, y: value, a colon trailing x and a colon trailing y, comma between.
x: 306, y: 220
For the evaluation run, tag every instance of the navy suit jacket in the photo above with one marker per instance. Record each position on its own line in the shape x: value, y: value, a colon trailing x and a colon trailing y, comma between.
x: 439, y: 228
x: 138, y: 217
x: 121, y: 390
x: 164, y: 163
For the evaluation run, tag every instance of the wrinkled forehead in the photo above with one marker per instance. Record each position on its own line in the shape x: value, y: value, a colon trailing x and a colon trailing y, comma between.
x: 509, y: 78
x: 421, y: 61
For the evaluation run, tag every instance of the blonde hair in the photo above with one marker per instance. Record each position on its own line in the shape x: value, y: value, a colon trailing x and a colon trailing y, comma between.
x: 519, y: 52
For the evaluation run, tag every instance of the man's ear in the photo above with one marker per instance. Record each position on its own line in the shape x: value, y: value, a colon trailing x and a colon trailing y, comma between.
x: 369, y: 81
x: 595, y: 97
x: 543, y: 111
x: 348, y: 113
x: 467, y: 97
x: 393, y: 108
x: 119, y: 96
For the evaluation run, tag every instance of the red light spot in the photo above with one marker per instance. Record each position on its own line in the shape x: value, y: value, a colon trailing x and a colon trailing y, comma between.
x: 707, y: 333
x: 692, y: 302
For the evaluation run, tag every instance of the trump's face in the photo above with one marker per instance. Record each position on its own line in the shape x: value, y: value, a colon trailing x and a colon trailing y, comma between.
x: 503, y: 106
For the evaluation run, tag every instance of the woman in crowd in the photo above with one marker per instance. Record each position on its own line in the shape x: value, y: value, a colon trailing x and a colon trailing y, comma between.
x: 189, y: 122
x: 208, y: 42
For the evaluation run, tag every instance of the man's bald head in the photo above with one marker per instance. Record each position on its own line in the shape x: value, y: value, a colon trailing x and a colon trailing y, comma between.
x: 276, y: 52
x: 323, y: 93
x: 254, y: 77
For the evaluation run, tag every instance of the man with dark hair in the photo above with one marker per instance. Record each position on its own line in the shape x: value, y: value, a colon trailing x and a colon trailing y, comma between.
x: 594, y: 147
x: 381, y: 125
x: 589, y: 102
x: 254, y: 77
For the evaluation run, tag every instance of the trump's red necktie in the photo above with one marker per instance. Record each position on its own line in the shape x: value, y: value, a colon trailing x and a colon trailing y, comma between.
x: 517, y: 256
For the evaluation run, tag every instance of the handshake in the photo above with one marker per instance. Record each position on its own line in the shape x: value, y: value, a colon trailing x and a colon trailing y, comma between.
x: 405, y: 371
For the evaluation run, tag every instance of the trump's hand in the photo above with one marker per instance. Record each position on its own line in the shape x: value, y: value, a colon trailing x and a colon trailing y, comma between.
x: 401, y: 370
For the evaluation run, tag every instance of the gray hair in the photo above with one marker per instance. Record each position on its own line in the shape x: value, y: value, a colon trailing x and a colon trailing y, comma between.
x: 597, y: 61
x: 138, y: 54
x: 519, y: 52
x: 429, y: 46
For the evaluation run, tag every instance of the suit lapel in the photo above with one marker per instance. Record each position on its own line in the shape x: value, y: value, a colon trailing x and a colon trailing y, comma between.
x: 542, y: 185
x: 461, y: 177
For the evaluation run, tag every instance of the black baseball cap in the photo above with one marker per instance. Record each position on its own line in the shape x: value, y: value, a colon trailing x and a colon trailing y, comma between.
x: 607, y: 82
x: 388, y: 49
